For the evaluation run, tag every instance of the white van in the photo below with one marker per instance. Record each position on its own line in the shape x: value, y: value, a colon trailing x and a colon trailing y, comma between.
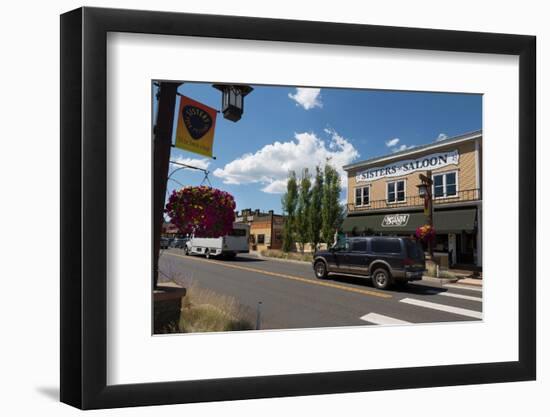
x: 230, y: 245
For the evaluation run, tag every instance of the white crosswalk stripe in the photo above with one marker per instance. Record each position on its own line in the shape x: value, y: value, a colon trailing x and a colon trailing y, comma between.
x: 381, y: 319
x: 443, y: 307
x: 461, y: 296
x: 463, y: 287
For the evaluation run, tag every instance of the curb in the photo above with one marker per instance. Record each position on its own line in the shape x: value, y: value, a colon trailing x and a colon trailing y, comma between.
x: 471, y: 282
x: 440, y: 281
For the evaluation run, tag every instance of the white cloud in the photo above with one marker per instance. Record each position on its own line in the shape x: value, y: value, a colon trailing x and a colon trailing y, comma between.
x: 392, y: 142
x: 403, y: 147
x: 441, y: 136
x: 270, y: 165
x: 308, y: 98
x: 202, y: 163
x: 275, y: 187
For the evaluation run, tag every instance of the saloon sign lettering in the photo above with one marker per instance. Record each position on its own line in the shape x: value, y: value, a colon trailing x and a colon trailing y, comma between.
x: 396, y: 169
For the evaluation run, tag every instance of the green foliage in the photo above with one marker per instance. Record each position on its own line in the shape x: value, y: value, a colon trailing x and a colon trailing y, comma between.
x: 303, y: 210
x: 313, y: 211
x: 331, y: 210
x: 289, y: 202
x: 315, y: 217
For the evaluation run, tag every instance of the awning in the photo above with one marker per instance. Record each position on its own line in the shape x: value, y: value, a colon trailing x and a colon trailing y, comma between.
x: 448, y: 221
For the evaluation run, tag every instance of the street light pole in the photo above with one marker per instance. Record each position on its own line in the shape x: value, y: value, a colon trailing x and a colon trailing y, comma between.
x: 161, y: 159
x: 426, y: 188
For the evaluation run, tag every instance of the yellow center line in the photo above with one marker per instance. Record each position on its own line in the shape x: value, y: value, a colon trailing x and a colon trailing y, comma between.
x: 287, y: 276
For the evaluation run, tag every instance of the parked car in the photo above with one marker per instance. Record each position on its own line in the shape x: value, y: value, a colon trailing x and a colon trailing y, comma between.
x: 165, y: 242
x: 385, y: 260
x: 179, y: 242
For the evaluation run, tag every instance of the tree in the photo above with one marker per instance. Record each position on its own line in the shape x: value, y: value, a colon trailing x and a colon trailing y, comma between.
x: 331, y: 212
x: 289, y: 202
x: 303, y: 210
x: 315, y: 216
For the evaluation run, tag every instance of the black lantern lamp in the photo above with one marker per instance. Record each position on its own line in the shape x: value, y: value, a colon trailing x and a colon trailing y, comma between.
x: 233, y: 99
x: 422, y: 189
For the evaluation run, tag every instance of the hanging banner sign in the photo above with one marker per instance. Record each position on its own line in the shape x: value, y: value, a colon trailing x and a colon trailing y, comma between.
x: 196, y: 125
x: 396, y: 169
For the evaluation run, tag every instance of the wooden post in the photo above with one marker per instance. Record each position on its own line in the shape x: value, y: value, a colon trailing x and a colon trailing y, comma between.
x: 162, y: 143
x: 430, y: 212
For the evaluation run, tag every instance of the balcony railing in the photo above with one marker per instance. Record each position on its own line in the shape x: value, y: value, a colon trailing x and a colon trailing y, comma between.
x: 415, y: 200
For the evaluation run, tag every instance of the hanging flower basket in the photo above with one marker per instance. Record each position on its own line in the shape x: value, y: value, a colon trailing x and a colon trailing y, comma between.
x: 425, y: 233
x: 203, y: 211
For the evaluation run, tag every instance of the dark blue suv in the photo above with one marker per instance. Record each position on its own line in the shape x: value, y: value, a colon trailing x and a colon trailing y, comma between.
x: 385, y: 260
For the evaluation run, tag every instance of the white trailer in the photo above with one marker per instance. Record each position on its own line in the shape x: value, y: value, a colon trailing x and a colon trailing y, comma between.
x: 230, y: 245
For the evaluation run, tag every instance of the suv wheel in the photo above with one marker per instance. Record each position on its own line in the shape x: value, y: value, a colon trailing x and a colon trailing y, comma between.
x: 321, y: 270
x: 381, y: 279
x: 207, y: 254
x: 186, y: 250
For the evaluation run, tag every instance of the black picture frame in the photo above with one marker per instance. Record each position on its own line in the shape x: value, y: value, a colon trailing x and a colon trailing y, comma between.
x: 84, y: 207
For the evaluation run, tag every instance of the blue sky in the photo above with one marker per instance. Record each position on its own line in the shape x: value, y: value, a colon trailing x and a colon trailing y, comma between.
x: 285, y: 128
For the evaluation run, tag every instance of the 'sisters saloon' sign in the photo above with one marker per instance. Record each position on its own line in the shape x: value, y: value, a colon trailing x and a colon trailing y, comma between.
x: 396, y: 169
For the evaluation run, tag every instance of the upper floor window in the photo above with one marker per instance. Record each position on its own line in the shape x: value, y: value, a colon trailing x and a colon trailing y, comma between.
x: 445, y: 185
x: 396, y: 191
x: 362, y: 196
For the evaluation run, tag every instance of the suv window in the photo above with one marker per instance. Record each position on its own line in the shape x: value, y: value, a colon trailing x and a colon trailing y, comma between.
x: 359, y: 245
x: 386, y: 245
x: 414, y: 249
x: 342, y: 245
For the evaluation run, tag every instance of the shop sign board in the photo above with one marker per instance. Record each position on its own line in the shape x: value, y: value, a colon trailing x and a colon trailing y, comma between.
x: 404, y: 167
x: 395, y: 220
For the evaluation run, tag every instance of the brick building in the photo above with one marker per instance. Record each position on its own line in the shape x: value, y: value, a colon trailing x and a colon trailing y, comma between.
x: 266, y: 229
x: 383, y: 196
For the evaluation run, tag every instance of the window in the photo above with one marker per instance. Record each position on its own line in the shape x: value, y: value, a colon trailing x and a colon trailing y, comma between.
x: 237, y: 232
x: 386, y: 245
x: 261, y: 239
x: 445, y: 185
x: 342, y: 245
x: 414, y: 249
x: 396, y: 191
x: 359, y: 245
x: 362, y: 196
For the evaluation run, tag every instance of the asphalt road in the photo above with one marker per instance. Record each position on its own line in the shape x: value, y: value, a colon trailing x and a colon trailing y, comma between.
x: 291, y: 296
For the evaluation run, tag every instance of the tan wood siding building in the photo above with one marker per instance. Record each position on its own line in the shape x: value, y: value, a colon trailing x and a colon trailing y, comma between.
x: 388, y: 186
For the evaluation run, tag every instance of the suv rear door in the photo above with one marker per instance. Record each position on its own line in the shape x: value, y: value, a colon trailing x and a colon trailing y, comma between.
x: 389, y: 250
x: 357, y: 259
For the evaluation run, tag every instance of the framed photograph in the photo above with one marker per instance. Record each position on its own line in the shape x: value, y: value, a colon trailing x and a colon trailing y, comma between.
x: 258, y: 208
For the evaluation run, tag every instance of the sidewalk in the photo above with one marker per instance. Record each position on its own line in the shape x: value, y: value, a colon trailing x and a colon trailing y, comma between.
x: 471, y: 281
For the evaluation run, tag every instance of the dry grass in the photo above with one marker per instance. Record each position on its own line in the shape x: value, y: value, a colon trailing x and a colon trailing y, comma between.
x: 295, y: 256
x: 204, y: 310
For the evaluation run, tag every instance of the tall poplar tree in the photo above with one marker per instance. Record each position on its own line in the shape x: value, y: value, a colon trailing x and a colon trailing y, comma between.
x: 315, y: 215
x: 289, y: 202
x: 331, y: 212
x: 303, y: 210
